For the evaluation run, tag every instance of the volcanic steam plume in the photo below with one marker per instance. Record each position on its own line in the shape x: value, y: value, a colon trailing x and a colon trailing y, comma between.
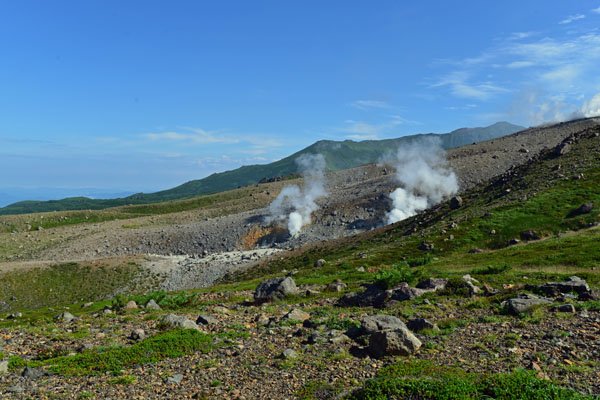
x: 295, y: 205
x: 424, y: 176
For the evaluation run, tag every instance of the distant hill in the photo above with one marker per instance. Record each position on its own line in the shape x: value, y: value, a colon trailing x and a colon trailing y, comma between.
x: 338, y: 155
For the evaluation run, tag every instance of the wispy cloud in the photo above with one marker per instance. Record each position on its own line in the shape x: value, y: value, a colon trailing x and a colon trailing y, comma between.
x: 458, y: 82
x: 572, y: 18
x: 193, y: 135
x: 369, y: 104
x: 596, y: 10
x: 520, y: 64
x: 361, y: 130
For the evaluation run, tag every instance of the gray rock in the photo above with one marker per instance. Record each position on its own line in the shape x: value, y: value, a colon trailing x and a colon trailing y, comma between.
x: 373, y: 296
x: 470, y: 281
x: 433, y: 284
x: 178, y: 321
x: 296, y: 315
x: 289, y: 354
x: 419, y: 324
x: 175, y: 379
x: 524, y: 304
x: 566, y: 308
x: 399, y: 342
x: 320, y: 263
x: 404, y: 292
x: 381, y: 322
x: 3, y: 367
x: 131, y: 305
x: 582, y: 209
x: 336, y: 286
x: 573, y: 284
x: 529, y: 235
x: 425, y: 246
x: 65, y: 317
x: 456, y: 202
x: 137, y: 334
x: 205, y: 319
x: 152, y: 305
x: 33, y: 373
x: 275, y: 289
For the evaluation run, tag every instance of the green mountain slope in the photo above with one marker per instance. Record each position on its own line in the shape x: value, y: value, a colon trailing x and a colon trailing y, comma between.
x: 338, y: 155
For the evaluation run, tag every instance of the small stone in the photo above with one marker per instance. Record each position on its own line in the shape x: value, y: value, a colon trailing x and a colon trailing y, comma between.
x: 178, y: 321
x: 175, y: 379
x: 336, y: 286
x: 529, y: 235
x: 137, y: 334
x: 425, y: 246
x: 419, y: 324
x: 3, y: 367
x: 514, y: 241
x: 320, y: 263
x: 296, y: 315
x: 152, y: 305
x: 206, y: 320
x: 131, y: 305
x: 275, y: 289
x: 221, y: 310
x: 566, y: 308
x: 32, y: 373
x: 88, y: 305
x: 65, y: 317
x: 289, y: 354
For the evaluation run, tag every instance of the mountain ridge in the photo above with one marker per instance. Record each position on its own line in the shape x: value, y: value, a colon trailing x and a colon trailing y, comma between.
x: 338, y: 155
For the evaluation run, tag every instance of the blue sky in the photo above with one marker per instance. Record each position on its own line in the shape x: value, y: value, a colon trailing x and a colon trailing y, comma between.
x: 145, y: 95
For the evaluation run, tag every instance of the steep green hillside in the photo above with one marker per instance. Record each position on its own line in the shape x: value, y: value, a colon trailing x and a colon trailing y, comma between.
x: 338, y: 155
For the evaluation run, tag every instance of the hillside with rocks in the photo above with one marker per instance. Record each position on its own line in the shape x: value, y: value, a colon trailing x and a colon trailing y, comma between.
x: 491, y: 292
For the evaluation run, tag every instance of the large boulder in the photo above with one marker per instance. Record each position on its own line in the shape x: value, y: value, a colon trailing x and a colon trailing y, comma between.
x: 573, y: 284
x: 381, y: 322
x: 389, y: 336
x: 523, y: 304
x: 400, y: 342
x: 275, y: 289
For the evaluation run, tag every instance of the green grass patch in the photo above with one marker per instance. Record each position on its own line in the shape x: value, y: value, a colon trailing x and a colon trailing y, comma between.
x: 171, y: 344
x: 62, y: 284
x: 417, y: 379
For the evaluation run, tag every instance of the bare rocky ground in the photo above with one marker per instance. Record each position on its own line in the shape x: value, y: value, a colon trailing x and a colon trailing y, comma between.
x: 357, y: 201
x: 559, y: 347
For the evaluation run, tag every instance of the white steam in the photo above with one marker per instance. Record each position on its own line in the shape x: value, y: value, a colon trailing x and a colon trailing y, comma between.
x: 296, y: 205
x: 591, y: 108
x: 424, y: 176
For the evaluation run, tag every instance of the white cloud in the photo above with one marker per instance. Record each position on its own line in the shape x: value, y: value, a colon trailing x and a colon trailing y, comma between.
x: 193, y: 135
x: 362, y: 137
x: 520, y: 64
x: 596, y: 10
x: 460, y: 87
x: 521, y: 35
x: 368, y: 104
x: 572, y: 18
